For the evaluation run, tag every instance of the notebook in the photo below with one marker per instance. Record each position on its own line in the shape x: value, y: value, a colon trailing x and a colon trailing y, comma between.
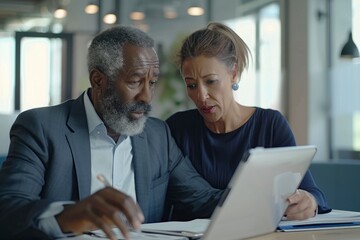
x: 333, y: 220
x: 255, y: 199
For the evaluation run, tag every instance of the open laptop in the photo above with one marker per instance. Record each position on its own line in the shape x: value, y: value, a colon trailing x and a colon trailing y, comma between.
x: 257, y: 193
x: 255, y: 199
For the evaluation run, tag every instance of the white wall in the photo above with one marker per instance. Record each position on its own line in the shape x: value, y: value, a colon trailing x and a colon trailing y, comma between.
x: 316, y: 75
x: 344, y: 80
x: 318, y: 78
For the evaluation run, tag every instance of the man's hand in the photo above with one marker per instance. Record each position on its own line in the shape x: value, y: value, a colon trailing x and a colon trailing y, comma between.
x: 101, y: 210
x: 302, y: 205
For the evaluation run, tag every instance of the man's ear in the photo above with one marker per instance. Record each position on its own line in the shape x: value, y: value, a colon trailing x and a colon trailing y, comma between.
x: 97, y: 79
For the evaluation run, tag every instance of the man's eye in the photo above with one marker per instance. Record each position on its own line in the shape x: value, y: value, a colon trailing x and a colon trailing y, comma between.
x: 153, y: 82
x: 134, y: 83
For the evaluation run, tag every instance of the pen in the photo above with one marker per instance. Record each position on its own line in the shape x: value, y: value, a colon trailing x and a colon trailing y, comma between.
x: 102, y: 179
x: 188, y: 234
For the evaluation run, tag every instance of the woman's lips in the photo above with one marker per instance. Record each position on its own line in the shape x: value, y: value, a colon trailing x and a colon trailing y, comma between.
x: 207, y: 109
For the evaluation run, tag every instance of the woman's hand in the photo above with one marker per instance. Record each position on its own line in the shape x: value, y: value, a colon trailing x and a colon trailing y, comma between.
x: 302, y: 205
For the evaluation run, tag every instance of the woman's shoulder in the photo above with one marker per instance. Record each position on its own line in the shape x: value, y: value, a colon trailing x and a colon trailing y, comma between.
x: 268, y: 113
x: 183, y: 117
x: 270, y: 117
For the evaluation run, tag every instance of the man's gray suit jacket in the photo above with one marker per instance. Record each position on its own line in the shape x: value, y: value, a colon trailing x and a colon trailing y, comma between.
x: 49, y: 160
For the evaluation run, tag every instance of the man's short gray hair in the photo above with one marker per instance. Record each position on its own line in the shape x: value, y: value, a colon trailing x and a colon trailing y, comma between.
x: 105, y: 51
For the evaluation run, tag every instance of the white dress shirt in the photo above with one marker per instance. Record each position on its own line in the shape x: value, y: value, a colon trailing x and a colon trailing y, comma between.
x: 111, y: 159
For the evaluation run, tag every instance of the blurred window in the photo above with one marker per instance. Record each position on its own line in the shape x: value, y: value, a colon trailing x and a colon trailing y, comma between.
x: 7, y: 59
x: 261, y: 84
x: 40, y: 72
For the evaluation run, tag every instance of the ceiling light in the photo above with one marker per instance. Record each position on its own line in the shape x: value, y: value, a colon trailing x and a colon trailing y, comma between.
x: 349, y: 50
x: 60, y: 13
x: 110, y: 18
x: 137, y: 15
x: 170, y: 12
x: 91, y: 8
x: 195, y: 11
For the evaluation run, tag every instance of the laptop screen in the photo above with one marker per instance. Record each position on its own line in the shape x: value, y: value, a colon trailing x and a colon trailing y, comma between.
x: 257, y: 192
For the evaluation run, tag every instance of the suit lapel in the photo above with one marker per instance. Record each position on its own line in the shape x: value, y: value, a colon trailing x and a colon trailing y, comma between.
x: 141, y: 170
x: 79, y: 143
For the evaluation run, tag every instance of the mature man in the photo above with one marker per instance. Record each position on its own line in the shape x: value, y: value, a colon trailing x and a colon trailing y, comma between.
x: 48, y: 183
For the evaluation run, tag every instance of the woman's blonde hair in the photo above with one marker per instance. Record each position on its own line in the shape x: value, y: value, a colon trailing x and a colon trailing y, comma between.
x: 216, y: 40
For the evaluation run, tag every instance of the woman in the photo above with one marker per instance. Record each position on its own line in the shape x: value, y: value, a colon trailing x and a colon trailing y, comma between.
x: 217, y: 134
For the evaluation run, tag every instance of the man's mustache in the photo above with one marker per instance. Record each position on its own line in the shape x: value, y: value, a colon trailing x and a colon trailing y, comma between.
x: 139, y: 107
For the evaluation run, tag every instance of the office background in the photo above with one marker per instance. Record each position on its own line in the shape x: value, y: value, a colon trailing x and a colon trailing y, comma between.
x: 296, y: 64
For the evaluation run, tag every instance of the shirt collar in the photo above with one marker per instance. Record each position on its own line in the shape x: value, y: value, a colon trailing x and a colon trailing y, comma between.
x: 93, y: 118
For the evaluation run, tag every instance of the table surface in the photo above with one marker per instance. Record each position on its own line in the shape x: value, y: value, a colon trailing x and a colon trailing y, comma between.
x: 333, y: 234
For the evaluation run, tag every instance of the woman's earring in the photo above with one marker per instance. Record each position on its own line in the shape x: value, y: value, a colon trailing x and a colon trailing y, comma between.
x: 235, y: 86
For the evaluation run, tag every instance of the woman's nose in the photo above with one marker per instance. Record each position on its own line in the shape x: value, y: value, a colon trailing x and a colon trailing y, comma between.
x: 202, y: 93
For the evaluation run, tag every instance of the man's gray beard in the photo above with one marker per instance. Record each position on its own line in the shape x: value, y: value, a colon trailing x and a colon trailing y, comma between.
x: 123, y: 125
x: 116, y: 114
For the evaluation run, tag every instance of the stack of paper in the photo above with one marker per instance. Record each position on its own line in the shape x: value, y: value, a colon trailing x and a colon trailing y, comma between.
x: 190, y: 229
x: 133, y: 236
x: 334, y: 219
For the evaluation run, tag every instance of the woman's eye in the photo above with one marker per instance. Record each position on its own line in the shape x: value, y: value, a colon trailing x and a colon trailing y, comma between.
x: 210, y: 81
x: 191, y: 86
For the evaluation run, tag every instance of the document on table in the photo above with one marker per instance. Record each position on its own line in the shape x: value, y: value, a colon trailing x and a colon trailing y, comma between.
x: 99, y: 234
x: 331, y: 220
x: 191, y: 229
x: 173, y: 230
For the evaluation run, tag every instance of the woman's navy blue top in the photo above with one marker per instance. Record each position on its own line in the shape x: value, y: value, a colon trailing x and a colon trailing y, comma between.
x: 216, y: 156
